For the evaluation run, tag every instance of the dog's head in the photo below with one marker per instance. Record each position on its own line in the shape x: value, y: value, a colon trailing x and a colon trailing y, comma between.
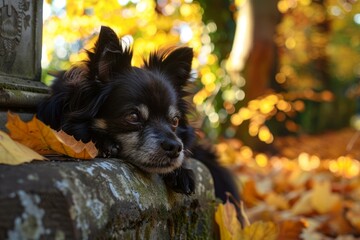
x: 141, y: 109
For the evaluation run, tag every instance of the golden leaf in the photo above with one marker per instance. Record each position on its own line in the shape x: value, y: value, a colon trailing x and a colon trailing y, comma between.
x: 14, y: 153
x: 291, y: 229
x: 303, y: 205
x: 44, y: 140
x: 277, y: 201
x: 229, y: 225
x: 82, y: 150
x: 260, y: 231
x: 322, y: 199
x: 29, y: 134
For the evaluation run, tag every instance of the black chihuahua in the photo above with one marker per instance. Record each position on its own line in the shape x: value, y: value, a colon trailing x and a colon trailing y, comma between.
x: 137, y: 114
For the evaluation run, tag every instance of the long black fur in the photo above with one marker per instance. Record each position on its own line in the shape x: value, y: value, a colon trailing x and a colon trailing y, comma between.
x: 134, y: 113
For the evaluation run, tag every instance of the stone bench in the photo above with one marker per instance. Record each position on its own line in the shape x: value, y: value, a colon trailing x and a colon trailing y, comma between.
x: 100, y: 199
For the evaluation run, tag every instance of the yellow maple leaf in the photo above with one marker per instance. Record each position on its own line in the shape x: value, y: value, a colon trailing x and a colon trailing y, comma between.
x: 277, y: 200
x: 14, y: 153
x: 44, y: 140
x: 259, y: 231
x: 229, y: 225
x: 303, y: 205
x: 322, y: 199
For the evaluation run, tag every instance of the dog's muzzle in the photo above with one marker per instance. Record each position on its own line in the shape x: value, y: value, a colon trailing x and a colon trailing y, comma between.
x: 172, y: 148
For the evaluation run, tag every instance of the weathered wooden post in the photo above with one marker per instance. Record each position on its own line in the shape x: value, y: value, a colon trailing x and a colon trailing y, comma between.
x: 99, y: 199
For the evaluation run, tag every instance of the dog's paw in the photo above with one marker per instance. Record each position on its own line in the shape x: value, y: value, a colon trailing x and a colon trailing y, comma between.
x: 181, y: 180
x: 110, y: 150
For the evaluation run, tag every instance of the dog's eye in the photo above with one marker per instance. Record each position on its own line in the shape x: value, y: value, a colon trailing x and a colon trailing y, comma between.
x: 175, y: 122
x: 133, y: 117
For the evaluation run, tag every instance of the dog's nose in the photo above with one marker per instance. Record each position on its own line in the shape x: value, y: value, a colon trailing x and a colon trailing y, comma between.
x: 172, y: 147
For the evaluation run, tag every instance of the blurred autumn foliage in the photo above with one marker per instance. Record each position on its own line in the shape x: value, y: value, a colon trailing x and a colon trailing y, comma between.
x: 319, y: 53
x: 307, y: 86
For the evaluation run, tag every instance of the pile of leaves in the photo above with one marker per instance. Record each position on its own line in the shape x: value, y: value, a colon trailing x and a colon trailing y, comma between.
x: 230, y: 228
x: 32, y: 140
x: 310, y: 190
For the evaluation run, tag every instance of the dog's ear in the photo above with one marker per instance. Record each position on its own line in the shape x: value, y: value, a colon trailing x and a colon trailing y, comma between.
x: 109, y: 56
x: 176, y: 64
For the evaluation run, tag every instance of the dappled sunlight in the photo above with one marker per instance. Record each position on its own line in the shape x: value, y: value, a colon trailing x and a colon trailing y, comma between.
x: 143, y: 25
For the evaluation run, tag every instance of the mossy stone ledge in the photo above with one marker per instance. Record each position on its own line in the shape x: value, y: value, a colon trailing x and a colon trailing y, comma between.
x: 100, y: 199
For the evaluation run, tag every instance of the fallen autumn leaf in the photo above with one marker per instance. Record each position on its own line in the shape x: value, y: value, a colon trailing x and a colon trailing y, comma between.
x: 14, y: 153
x: 229, y: 225
x: 44, y: 140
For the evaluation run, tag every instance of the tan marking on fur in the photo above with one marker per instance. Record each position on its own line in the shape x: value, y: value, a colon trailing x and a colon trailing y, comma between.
x: 100, y: 123
x: 144, y: 111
